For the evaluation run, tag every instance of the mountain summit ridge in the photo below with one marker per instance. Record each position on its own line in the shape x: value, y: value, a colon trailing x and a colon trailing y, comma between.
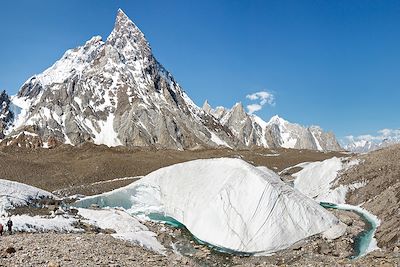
x: 115, y: 92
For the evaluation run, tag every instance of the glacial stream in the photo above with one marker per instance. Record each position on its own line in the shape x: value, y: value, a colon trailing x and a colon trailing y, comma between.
x: 365, y: 241
x: 174, y: 223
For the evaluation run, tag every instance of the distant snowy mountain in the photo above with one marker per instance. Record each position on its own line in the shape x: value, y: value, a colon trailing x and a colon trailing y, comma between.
x: 367, y: 145
x: 277, y: 132
x: 114, y: 92
x: 292, y: 135
x: 367, y: 142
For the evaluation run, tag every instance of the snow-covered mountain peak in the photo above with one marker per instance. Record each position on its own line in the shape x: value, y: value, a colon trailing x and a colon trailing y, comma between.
x: 73, y: 62
x: 97, y: 39
x: 206, y: 107
x: 367, y: 143
x: 277, y: 120
x: 239, y: 107
x: 113, y: 93
x: 316, y: 128
x: 238, y: 112
x: 124, y: 24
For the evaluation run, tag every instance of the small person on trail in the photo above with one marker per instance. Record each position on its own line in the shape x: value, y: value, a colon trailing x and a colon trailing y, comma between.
x: 9, y: 226
x: 1, y: 229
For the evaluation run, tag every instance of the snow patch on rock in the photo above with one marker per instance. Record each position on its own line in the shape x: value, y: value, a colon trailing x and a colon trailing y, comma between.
x: 13, y: 194
x: 126, y: 227
x: 33, y: 224
x: 317, y: 180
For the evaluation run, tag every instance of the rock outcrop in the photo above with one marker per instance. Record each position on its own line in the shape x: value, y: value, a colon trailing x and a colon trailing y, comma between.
x: 6, y: 114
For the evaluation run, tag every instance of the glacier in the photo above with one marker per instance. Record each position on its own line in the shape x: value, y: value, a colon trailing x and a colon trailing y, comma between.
x: 226, y: 203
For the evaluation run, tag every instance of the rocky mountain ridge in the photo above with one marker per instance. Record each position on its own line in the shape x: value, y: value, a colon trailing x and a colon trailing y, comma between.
x: 365, y: 145
x: 277, y: 132
x: 115, y: 92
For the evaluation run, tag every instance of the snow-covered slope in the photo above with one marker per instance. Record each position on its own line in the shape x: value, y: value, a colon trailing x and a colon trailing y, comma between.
x: 13, y: 194
x: 227, y: 203
x: 319, y: 180
x: 33, y: 224
x: 126, y: 227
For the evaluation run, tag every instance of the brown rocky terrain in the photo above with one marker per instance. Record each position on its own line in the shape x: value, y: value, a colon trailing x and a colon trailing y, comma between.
x: 50, y: 249
x: 73, y: 169
x: 381, y: 172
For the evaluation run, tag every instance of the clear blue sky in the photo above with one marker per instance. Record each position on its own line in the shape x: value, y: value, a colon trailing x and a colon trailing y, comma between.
x: 331, y: 63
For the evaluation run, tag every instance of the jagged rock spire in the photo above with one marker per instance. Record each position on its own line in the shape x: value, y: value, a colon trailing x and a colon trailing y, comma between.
x: 206, y: 107
x: 238, y: 110
x: 124, y: 24
x: 128, y: 39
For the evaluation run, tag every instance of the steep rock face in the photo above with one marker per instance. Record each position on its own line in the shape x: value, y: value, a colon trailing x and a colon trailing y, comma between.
x: 247, y: 128
x: 114, y: 92
x: 6, y: 114
x: 324, y: 140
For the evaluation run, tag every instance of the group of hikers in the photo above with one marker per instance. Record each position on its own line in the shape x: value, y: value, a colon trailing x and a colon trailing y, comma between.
x: 9, y: 225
